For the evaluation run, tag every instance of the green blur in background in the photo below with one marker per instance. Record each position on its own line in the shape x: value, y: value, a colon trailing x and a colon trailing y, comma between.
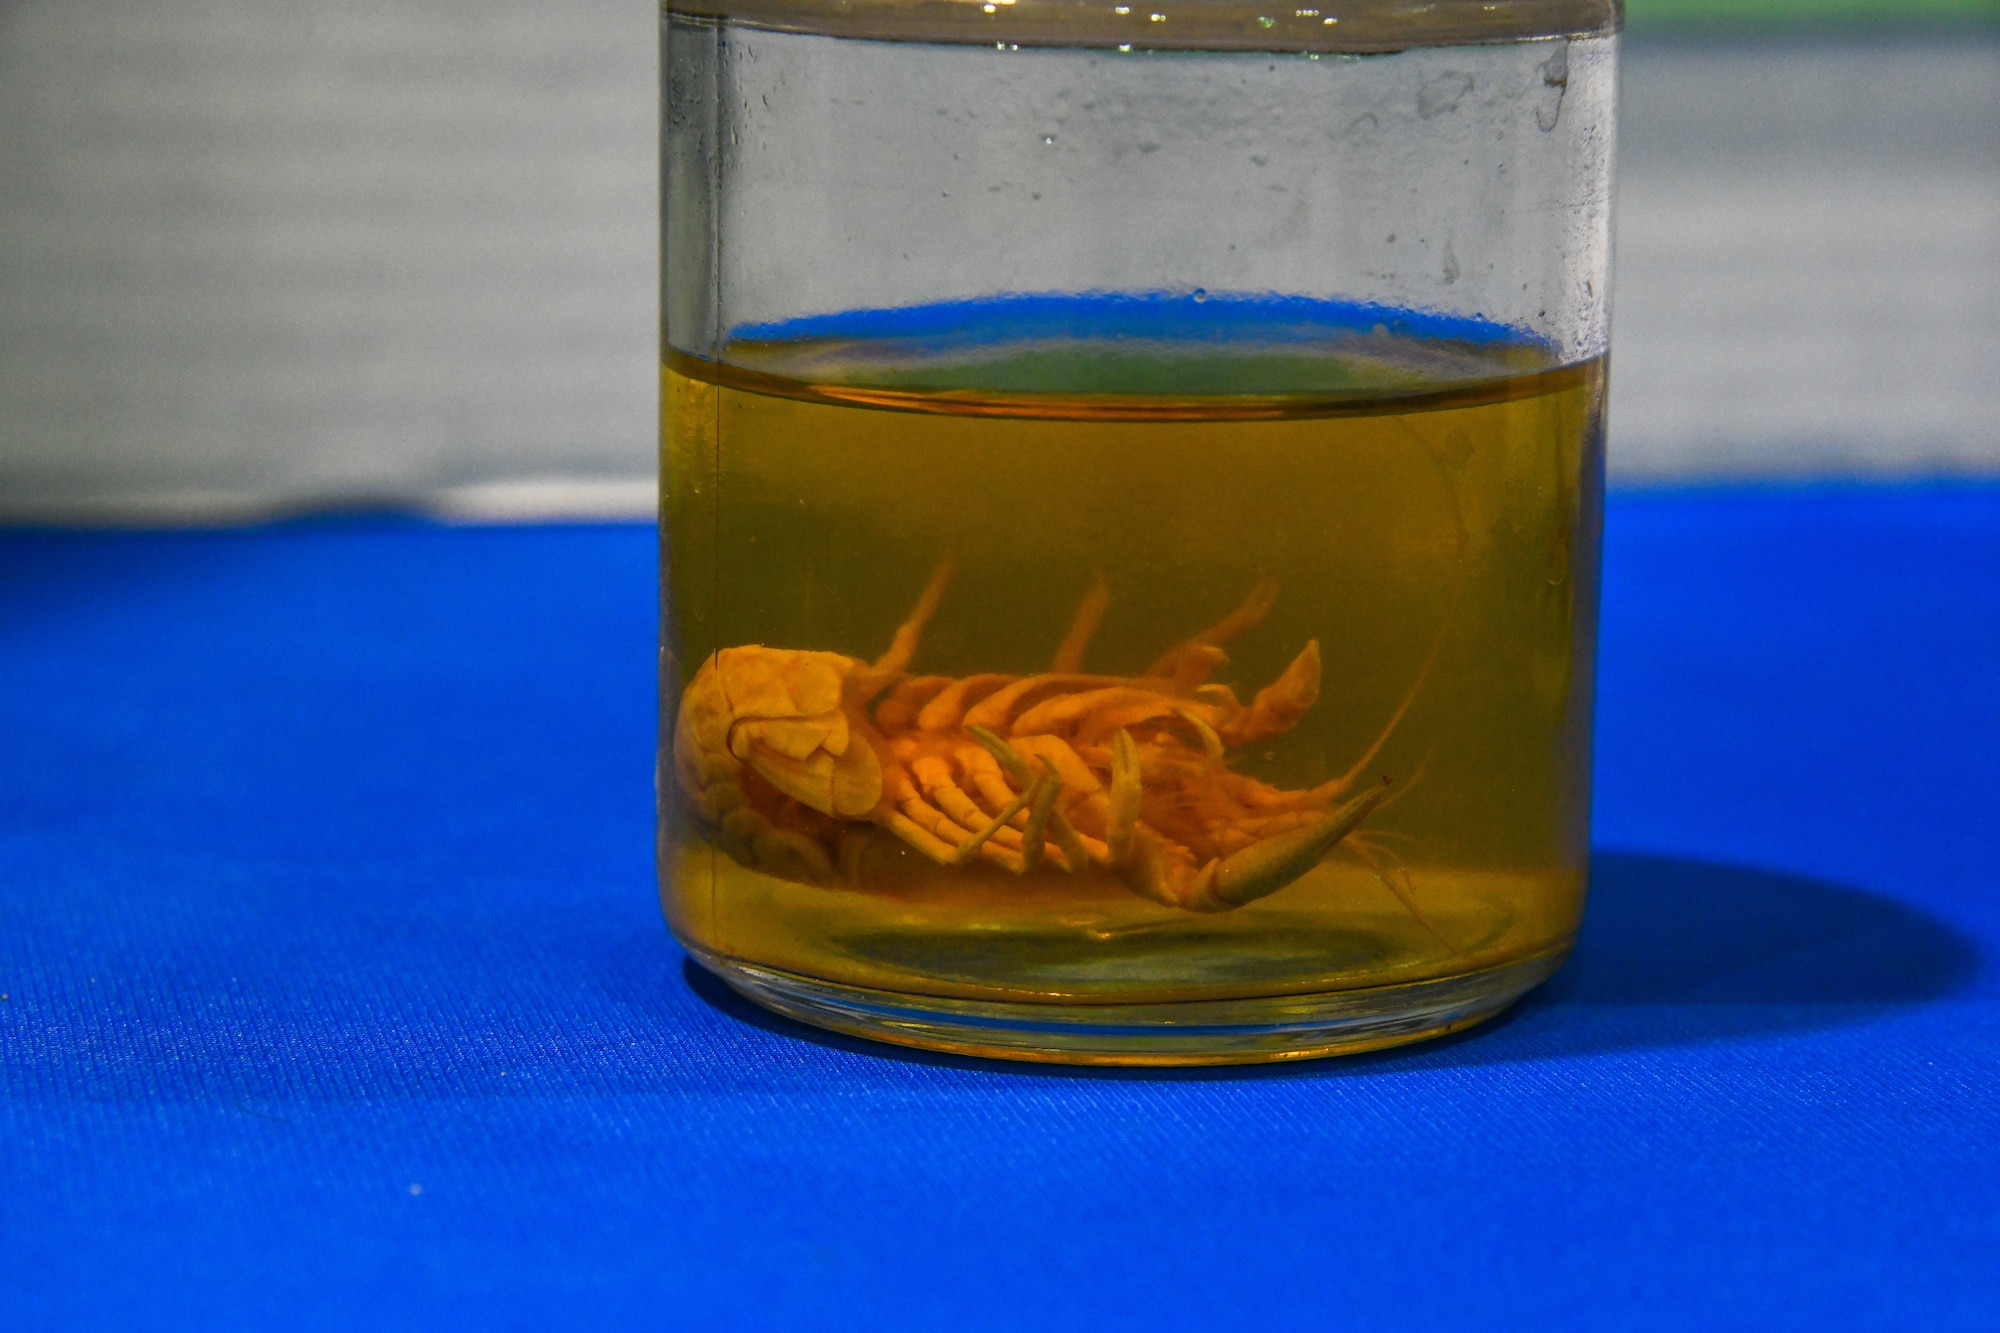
x: 1796, y: 15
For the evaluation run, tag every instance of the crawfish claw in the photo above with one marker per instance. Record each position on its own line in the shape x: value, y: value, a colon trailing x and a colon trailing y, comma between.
x: 1263, y: 868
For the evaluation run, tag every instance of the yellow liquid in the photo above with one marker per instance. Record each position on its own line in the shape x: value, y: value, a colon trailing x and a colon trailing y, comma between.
x: 1441, y: 547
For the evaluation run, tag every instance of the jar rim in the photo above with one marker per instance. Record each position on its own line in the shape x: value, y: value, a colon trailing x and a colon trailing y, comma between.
x: 1346, y: 27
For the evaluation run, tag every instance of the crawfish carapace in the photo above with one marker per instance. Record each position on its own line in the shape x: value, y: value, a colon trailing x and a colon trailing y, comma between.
x: 793, y: 760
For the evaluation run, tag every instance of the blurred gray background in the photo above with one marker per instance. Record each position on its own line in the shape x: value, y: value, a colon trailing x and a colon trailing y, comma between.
x: 261, y: 256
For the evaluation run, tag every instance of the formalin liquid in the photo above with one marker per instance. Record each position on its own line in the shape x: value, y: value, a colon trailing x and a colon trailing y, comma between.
x: 1423, y: 512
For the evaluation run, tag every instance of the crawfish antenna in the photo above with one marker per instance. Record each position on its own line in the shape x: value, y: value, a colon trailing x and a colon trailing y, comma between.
x: 1348, y: 778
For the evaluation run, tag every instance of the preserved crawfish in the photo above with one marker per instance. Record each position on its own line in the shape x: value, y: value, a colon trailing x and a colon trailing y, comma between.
x: 793, y: 759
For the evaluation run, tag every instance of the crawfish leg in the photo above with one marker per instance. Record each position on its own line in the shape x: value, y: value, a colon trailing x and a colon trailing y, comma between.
x: 939, y: 828
x: 951, y: 817
x: 938, y: 836
x: 1126, y: 789
x: 1082, y: 627
x: 985, y: 775
x: 904, y: 646
x: 919, y: 837
x: 973, y: 845
x: 982, y: 772
x: 939, y: 784
x: 1068, y: 770
x: 1151, y: 864
x: 1032, y: 846
x: 1279, y: 705
x: 1188, y: 663
x: 1085, y: 803
x: 752, y: 840
x: 790, y: 855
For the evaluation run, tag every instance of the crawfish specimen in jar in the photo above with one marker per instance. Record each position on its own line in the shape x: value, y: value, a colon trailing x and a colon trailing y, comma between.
x: 793, y: 759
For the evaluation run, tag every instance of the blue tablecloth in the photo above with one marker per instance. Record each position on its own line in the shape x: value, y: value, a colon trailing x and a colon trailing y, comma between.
x: 336, y: 995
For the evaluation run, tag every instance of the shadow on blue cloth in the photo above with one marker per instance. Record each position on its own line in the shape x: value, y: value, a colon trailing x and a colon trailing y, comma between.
x: 1672, y: 952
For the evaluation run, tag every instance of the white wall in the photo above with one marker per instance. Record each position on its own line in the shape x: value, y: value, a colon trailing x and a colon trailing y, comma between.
x: 1808, y: 274
x: 255, y: 253
x: 258, y: 255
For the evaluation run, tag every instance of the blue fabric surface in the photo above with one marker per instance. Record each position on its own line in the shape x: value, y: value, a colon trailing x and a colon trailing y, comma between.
x: 337, y: 995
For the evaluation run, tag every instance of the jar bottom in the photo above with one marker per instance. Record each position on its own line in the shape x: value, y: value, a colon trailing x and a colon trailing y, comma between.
x: 1204, y: 1032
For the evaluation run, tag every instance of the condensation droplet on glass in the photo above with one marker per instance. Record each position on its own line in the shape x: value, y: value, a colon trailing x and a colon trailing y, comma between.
x: 1201, y: 293
x: 1049, y: 139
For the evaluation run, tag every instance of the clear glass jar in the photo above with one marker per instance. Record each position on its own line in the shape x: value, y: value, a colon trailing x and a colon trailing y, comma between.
x: 1130, y: 514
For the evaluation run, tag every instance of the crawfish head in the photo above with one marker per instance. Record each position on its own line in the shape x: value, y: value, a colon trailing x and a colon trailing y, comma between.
x: 782, y: 712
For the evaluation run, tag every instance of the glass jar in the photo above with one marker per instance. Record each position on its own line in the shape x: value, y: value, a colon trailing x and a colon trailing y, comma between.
x: 1131, y: 492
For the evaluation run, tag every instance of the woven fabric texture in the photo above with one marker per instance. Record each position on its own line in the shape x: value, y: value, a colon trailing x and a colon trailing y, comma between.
x: 336, y: 995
